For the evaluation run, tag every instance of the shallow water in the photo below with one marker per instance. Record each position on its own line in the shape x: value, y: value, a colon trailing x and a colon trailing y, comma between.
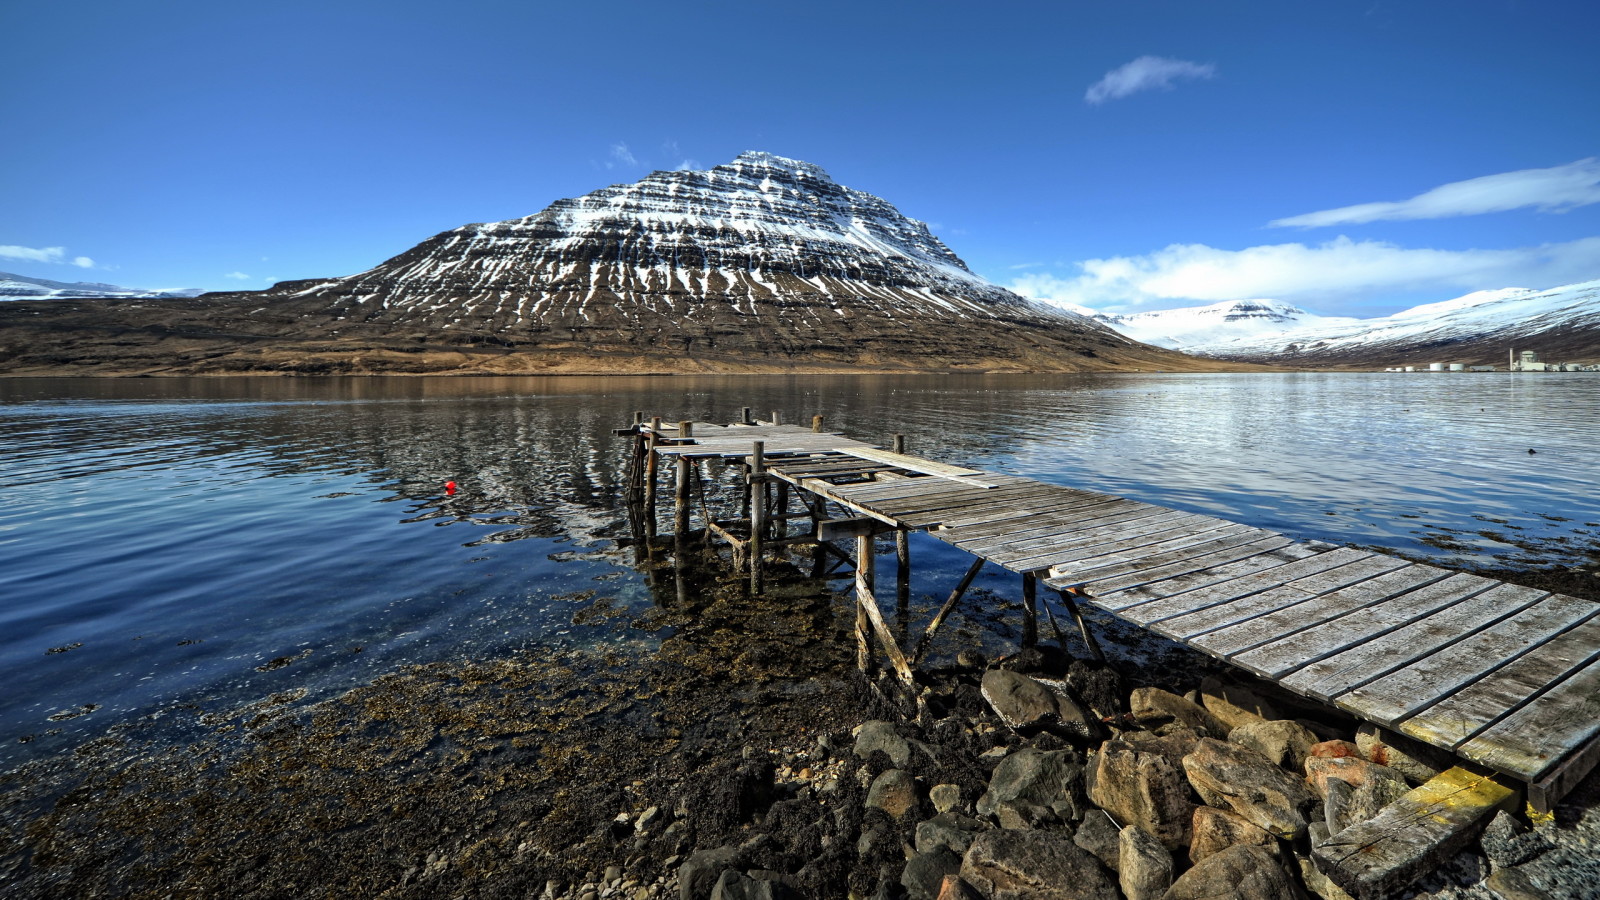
x: 194, y: 541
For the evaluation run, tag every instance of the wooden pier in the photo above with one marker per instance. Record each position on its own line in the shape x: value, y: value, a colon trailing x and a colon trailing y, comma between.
x: 1503, y: 676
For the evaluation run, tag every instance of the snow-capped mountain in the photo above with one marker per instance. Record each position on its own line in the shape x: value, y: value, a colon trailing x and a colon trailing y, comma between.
x: 1204, y: 326
x: 762, y: 264
x: 1560, y: 323
x: 24, y: 287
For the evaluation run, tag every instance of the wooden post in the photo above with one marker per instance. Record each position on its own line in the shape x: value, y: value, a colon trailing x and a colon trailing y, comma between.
x: 1030, y: 610
x: 816, y: 424
x: 758, y: 509
x: 680, y: 512
x: 869, y: 617
x: 777, y: 417
x: 744, y: 418
x: 898, y: 445
x: 780, y: 525
x: 685, y: 430
x: 638, y: 419
x: 1067, y: 596
x: 650, y: 466
x: 945, y: 610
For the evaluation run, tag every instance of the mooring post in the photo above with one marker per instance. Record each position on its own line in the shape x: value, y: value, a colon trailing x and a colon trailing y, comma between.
x: 816, y: 424
x: 744, y: 418
x: 902, y: 537
x: 685, y: 430
x: 680, y: 512
x: 758, y: 509
x: 650, y: 465
x: 1030, y: 610
x: 898, y: 445
x: 777, y: 417
x: 638, y: 419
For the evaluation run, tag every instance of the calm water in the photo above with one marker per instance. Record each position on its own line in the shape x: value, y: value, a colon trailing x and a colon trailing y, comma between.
x: 166, y: 544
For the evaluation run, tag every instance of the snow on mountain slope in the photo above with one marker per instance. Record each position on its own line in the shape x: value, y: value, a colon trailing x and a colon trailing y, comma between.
x: 1568, y: 317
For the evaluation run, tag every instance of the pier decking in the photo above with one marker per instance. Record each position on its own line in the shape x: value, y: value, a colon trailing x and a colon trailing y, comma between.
x: 1503, y: 676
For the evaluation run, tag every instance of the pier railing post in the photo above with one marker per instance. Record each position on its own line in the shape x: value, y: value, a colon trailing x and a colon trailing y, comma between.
x: 650, y: 466
x: 680, y: 512
x: 816, y: 424
x: 758, y: 509
x: 1030, y: 610
x: 744, y: 418
x: 777, y: 417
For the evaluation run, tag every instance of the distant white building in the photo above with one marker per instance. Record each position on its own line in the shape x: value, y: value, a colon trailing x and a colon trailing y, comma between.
x: 1527, y: 361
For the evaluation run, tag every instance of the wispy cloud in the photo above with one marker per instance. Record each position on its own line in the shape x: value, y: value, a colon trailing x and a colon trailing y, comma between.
x: 237, y: 276
x: 1147, y: 73
x: 52, y: 255
x: 620, y: 156
x: 1338, y: 273
x: 1556, y: 189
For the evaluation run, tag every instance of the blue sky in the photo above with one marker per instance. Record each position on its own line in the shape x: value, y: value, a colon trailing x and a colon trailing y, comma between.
x: 1129, y: 155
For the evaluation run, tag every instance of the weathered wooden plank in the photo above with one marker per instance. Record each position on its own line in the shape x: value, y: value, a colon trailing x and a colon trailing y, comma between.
x: 1554, y: 738
x: 1293, y: 651
x: 1197, y: 626
x: 1066, y: 508
x: 927, y: 467
x: 1370, y: 659
x: 1400, y: 693
x: 925, y: 501
x: 1453, y: 720
x: 1231, y: 640
x: 1107, y: 538
x: 1411, y: 836
x: 830, y: 492
x: 1154, y: 543
x: 927, y: 485
x: 1239, y: 586
x: 1100, y: 528
x: 1192, y: 567
x: 931, y: 515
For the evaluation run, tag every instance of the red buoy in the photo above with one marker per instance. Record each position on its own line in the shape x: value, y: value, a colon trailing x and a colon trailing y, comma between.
x: 449, y: 488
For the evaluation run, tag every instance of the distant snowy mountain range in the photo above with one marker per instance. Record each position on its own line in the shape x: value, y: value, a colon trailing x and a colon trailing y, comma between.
x: 1479, y: 327
x: 25, y: 287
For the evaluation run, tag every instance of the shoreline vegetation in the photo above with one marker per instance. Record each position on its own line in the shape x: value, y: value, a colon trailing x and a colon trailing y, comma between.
x: 747, y: 758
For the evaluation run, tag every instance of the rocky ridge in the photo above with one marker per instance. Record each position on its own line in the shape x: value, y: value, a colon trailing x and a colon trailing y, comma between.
x: 762, y: 264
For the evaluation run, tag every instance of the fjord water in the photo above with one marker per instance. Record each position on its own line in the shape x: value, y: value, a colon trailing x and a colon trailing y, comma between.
x: 171, y: 544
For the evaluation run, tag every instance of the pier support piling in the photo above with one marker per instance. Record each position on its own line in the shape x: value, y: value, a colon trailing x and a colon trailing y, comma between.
x: 757, y: 479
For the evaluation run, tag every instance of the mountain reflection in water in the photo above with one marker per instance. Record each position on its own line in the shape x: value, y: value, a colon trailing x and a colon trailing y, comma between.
x: 212, y: 540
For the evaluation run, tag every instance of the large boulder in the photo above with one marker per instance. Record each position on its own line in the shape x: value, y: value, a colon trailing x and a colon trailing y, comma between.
x: 878, y: 735
x: 924, y: 873
x: 1144, y: 867
x: 1287, y: 743
x: 1229, y: 776
x: 1239, y: 873
x: 700, y: 872
x: 1153, y: 706
x: 949, y: 830
x: 1215, y: 830
x: 1038, y: 865
x: 1353, y: 771
x: 1018, y: 700
x: 1234, y: 703
x: 1361, y: 802
x: 1035, y: 782
x: 1143, y: 789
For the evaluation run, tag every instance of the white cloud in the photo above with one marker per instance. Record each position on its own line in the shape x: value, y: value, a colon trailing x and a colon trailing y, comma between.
x: 620, y: 156
x: 689, y: 165
x: 1556, y: 189
x: 83, y: 262
x: 1340, y: 272
x: 33, y: 254
x: 237, y: 276
x: 1147, y: 73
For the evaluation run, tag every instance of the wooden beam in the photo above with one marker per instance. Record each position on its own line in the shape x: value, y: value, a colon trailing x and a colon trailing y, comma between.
x: 867, y: 602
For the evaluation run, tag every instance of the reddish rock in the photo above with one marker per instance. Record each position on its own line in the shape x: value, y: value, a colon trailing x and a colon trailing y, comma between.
x: 1354, y: 771
x: 1335, y: 750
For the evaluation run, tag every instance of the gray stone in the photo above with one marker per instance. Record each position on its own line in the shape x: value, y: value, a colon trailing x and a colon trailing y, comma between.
x: 1022, y: 816
x: 735, y: 885
x: 699, y: 873
x: 894, y: 792
x: 1413, y: 835
x: 1030, y: 781
x: 1319, y: 884
x: 1174, y: 742
x: 1143, y: 789
x: 880, y: 735
x: 1152, y: 706
x: 1038, y: 865
x: 1286, y: 743
x: 1511, y: 884
x: 945, y: 797
x: 924, y: 873
x: 1235, y: 704
x: 1216, y: 830
x: 1362, y: 802
x: 1417, y: 761
x: 1507, y: 843
x: 1018, y: 700
x: 1073, y: 718
x: 1239, y: 872
x: 1229, y: 776
x: 1100, y: 837
x: 946, y: 830
x: 1145, y: 867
